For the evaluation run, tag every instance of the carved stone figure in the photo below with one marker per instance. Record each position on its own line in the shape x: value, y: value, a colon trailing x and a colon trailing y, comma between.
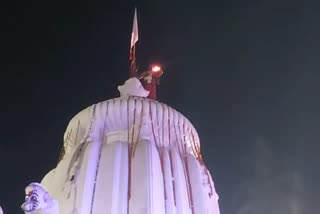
x: 39, y: 201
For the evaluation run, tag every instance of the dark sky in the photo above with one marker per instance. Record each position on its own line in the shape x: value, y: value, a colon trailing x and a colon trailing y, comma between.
x: 246, y: 73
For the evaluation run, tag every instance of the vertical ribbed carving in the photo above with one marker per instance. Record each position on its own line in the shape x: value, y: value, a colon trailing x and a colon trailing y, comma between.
x: 169, y: 183
x: 146, y: 178
x: 181, y: 192
x: 87, y: 174
x: 112, y: 180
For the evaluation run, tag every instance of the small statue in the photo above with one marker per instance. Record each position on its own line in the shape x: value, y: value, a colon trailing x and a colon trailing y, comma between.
x: 132, y: 87
x: 39, y: 201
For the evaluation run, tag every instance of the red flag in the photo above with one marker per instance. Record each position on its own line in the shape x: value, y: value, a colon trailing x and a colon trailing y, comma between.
x: 134, y: 34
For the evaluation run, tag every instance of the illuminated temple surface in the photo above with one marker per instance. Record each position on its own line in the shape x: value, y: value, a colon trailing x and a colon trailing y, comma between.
x: 131, y: 155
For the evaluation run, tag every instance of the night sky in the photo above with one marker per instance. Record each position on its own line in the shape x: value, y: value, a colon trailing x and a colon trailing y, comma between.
x: 246, y: 74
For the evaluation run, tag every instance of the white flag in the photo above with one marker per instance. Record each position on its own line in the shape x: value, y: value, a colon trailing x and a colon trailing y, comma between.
x: 134, y: 34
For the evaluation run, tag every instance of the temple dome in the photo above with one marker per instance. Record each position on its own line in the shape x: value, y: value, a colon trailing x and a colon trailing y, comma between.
x: 131, y: 119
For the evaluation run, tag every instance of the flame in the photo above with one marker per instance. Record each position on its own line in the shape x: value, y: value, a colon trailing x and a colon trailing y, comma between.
x: 156, y: 68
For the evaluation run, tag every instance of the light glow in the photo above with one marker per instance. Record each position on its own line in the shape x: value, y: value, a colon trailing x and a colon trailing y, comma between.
x: 156, y: 68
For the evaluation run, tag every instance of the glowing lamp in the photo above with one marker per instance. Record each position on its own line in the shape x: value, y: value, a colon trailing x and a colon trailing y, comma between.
x: 156, y: 68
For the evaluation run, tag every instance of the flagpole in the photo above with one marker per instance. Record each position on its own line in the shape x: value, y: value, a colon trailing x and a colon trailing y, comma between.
x: 150, y: 78
x: 133, y: 68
